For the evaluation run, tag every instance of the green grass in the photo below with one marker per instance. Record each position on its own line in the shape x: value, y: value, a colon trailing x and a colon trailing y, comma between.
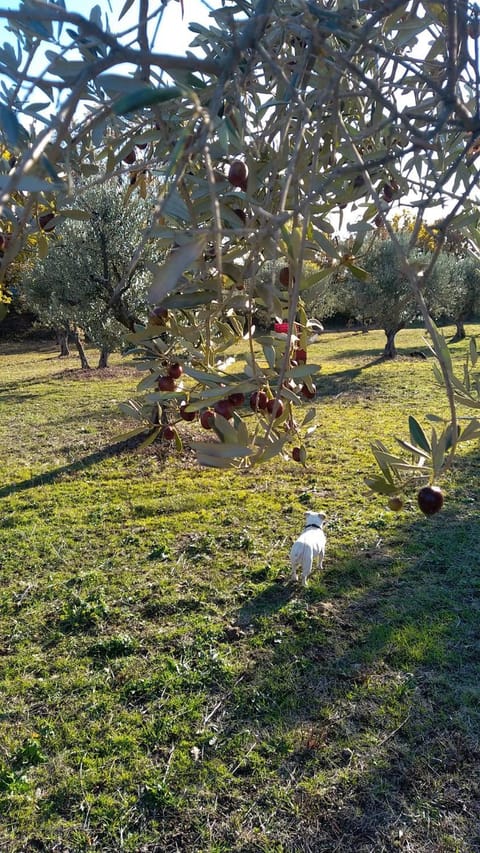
x: 165, y: 688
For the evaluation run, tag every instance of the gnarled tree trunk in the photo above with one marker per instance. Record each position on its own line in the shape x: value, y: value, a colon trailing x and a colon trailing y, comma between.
x: 390, y: 349
x: 62, y: 340
x: 103, y: 360
x: 460, y: 333
x: 81, y: 351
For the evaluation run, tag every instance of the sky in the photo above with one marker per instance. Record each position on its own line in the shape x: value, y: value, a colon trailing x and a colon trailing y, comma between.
x: 174, y: 35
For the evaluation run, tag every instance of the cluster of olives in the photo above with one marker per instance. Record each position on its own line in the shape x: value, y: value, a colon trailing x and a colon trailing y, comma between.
x: 429, y: 499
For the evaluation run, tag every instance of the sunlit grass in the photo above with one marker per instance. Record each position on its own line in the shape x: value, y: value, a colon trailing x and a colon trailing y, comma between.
x: 164, y: 687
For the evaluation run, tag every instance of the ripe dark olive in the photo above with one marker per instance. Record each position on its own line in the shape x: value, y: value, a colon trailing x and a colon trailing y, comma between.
x: 158, y: 317
x: 296, y: 454
x: 258, y: 400
x: 241, y: 214
x: 166, y: 383
x: 275, y: 408
x: 430, y: 499
x: 224, y: 408
x: 388, y: 192
x: 395, y: 504
x: 238, y: 174
x: 130, y: 157
x: 187, y: 416
x: 300, y: 356
x: 207, y: 419
x: 237, y: 398
x: 308, y: 393
x: 284, y: 277
x: 175, y: 370
x: 45, y: 221
x: 168, y: 433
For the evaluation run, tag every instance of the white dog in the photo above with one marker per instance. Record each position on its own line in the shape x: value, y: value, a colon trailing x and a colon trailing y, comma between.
x: 310, y: 546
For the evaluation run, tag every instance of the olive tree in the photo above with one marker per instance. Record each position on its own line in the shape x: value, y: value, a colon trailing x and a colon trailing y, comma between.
x: 455, y: 293
x: 84, y: 281
x: 287, y: 120
x: 382, y: 295
x: 457, y: 296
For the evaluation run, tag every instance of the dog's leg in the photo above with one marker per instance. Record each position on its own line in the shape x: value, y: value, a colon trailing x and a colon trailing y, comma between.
x: 307, y: 571
x: 294, y: 572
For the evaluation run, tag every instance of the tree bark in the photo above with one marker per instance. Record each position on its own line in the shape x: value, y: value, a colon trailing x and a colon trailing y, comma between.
x: 81, y: 351
x: 103, y: 360
x: 460, y: 333
x: 62, y: 338
x: 390, y: 350
x: 123, y: 315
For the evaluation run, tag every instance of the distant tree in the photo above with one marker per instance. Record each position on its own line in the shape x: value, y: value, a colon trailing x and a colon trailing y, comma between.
x: 457, y: 274
x: 457, y: 293
x: 85, y: 280
x: 284, y: 121
x: 379, y: 294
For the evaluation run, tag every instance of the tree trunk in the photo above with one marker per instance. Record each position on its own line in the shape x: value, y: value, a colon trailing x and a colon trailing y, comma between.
x: 103, y: 360
x: 81, y: 351
x: 62, y: 339
x: 123, y: 315
x: 390, y: 351
x: 460, y: 333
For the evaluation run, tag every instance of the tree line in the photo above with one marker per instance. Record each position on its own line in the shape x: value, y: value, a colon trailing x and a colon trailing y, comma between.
x: 286, y: 122
x: 78, y: 287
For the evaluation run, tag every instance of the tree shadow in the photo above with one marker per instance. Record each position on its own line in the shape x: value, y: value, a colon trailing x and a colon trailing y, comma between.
x: 368, y: 686
x: 44, y: 479
x: 8, y: 388
x: 21, y: 347
x: 13, y: 399
x: 377, y: 354
x: 344, y: 382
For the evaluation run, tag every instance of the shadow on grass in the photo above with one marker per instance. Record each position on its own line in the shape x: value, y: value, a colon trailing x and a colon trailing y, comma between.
x: 21, y: 347
x: 270, y: 600
x: 366, y: 695
x: 344, y: 382
x: 350, y: 723
x: 8, y: 389
x: 377, y: 354
x: 72, y: 467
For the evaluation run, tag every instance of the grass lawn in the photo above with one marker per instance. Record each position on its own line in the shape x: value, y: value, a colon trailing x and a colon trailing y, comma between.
x: 164, y: 687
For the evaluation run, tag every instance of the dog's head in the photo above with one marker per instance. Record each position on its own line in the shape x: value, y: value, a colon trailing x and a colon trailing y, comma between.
x: 314, y: 519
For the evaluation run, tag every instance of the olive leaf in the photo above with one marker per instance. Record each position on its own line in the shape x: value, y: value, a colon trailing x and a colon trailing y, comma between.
x: 168, y: 275
x: 417, y: 434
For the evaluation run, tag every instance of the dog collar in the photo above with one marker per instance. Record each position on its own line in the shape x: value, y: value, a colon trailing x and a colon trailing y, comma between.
x: 318, y: 526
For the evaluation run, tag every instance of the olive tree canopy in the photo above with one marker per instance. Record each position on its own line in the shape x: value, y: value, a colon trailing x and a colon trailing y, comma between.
x: 288, y: 120
x: 86, y: 279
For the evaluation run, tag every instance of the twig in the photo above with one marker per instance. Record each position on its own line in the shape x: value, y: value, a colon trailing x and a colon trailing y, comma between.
x: 24, y: 594
x: 169, y: 762
x: 392, y: 734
